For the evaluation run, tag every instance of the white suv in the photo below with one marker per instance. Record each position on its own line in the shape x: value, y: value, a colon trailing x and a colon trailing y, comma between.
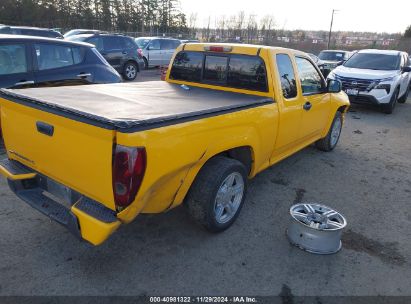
x: 376, y: 77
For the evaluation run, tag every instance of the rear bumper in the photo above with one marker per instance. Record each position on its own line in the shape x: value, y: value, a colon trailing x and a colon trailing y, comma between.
x: 83, y: 217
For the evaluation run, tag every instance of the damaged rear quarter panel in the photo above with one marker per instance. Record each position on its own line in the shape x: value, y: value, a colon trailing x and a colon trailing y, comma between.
x: 175, y: 154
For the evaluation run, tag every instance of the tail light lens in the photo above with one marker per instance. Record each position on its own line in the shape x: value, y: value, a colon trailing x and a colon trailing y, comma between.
x: 129, y: 166
x: 140, y: 52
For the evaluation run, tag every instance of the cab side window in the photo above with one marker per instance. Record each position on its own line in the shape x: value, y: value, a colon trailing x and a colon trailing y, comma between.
x: 311, y: 81
x: 287, y: 76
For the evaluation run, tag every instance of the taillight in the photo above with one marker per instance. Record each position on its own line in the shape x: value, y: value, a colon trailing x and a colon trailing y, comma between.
x: 129, y: 166
x: 140, y: 52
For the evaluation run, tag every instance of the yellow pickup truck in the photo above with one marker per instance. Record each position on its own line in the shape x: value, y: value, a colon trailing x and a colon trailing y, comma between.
x: 94, y: 157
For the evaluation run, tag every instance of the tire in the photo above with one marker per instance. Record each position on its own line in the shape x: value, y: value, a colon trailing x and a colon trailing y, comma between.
x: 389, y: 108
x: 145, y: 63
x: 404, y: 98
x: 208, y: 202
x: 130, y: 71
x: 329, y: 142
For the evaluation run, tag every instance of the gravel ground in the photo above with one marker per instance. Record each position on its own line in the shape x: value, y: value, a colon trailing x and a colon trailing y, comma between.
x: 367, y: 178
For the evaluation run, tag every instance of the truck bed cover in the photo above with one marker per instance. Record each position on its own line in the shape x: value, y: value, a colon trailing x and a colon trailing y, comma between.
x: 129, y: 107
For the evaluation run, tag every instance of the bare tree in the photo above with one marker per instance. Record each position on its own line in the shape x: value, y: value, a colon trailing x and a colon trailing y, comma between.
x: 267, y: 25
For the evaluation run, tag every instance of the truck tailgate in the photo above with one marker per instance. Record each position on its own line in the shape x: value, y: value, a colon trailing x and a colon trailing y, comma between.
x: 75, y: 154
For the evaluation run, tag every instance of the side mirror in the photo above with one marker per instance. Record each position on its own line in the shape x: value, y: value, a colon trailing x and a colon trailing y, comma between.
x: 334, y: 86
x: 148, y: 48
x: 340, y: 63
x: 406, y: 69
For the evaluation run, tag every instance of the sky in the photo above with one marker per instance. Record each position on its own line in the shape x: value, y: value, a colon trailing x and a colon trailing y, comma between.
x: 353, y: 15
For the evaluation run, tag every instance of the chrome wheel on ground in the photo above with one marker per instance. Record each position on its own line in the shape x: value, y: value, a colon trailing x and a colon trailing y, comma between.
x: 316, y: 228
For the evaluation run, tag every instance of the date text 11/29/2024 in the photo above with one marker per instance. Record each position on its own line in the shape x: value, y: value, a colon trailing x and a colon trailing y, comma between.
x: 240, y: 299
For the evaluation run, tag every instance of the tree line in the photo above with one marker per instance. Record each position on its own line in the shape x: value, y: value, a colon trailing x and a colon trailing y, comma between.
x: 147, y: 16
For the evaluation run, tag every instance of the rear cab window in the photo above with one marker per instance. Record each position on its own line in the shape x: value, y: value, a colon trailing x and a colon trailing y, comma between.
x: 229, y: 70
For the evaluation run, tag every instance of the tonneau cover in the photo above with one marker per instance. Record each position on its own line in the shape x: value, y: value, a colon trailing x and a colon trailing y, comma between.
x: 133, y: 106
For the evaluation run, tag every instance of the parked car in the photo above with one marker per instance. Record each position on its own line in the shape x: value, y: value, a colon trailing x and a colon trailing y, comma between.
x: 332, y: 58
x: 120, y: 51
x: 314, y: 58
x: 224, y: 114
x: 34, y: 62
x: 30, y: 31
x: 81, y: 32
x: 376, y: 77
x: 156, y: 51
x: 318, y: 62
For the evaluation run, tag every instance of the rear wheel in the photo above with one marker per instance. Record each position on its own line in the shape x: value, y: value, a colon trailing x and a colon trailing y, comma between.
x: 389, y: 108
x: 329, y: 142
x: 130, y: 71
x: 217, y: 194
x: 403, y: 99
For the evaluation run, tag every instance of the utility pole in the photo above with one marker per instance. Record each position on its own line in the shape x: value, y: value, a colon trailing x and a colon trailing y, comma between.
x: 331, y: 27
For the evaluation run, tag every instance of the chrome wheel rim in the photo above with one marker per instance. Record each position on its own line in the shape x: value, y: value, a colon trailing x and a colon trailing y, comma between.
x: 336, y: 131
x: 316, y: 228
x: 131, y: 71
x: 318, y: 217
x: 229, y: 197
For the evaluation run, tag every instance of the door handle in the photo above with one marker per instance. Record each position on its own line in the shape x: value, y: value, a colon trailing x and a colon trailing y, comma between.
x: 84, y: 75
x: 45, y: 128
x: 24, y: 83
x: 307, y: 106
x: 124, y: 52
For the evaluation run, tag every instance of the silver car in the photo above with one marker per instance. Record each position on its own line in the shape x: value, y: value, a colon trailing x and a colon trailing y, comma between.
x: 156, y: 51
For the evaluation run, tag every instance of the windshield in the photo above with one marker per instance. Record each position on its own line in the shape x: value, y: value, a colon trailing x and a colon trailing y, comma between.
x: 142, y: 42
x: 331, y: 56
x: 373, y: 62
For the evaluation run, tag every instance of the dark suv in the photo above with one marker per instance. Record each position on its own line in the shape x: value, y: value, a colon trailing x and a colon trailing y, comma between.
x: 120, y: 51
x: 35, y: 61
x: 30, y: 31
